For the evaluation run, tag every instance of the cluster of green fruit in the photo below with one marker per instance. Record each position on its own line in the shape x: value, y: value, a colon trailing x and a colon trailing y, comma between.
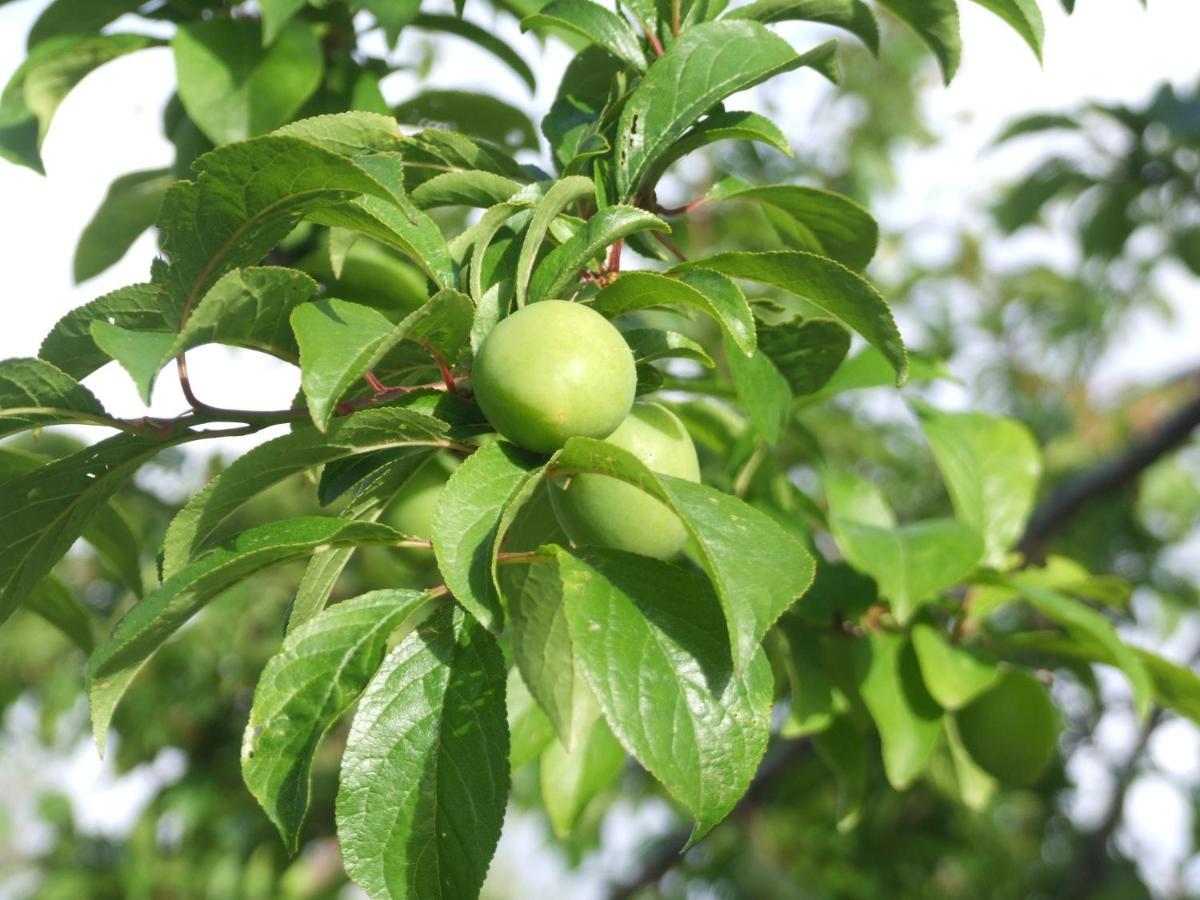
x: 555, y: 370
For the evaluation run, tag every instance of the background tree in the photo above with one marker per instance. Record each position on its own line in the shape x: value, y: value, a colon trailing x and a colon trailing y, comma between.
x: 385, y: 292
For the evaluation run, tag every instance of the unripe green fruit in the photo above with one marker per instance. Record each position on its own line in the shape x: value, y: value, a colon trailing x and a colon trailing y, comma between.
x: 598, y: 510
x: 1011, y: 730
x: 412, y: 513
x: 552, y: 371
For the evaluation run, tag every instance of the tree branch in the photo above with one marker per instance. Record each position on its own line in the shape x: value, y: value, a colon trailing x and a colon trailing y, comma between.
x: 1117, y: 473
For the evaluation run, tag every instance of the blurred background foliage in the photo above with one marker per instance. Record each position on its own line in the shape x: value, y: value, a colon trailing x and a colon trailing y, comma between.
x: 1120, y: 202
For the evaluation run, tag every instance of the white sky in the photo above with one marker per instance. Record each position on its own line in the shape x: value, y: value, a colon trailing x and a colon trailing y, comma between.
x: 1110, y: 50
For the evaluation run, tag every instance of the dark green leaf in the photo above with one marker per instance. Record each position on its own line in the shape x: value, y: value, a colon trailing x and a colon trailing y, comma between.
x: 1024, y: 16
x: 305, y: 688
x: 43, y: 512
x: 340, y: 342
x: 936, y: 21
x: 757, y: 567
x: 482, y: 37
x: 57, y: 604
x: 805, y: 351
x: 77, y: 17
x: 825, y: 284
x: 649, y: 641
x: 143, y: 629
x: 852, y: 15
x: 701, y: 68
x: 650, y: 344
x: 267, y: 464
x: 722, y: 126
x: 34, y: 393
x: 593, y: 23
x: 246, y: 198
x: 424, y: 779
x: 558, y: 273
x: 708, y: 292
x: 822, y: 222
x: 466, y: 524
x: 762, y: 391
x: 479, y: 115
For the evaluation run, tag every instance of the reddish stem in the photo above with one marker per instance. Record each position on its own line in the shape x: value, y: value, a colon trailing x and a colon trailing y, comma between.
x: 447, y: 375
x: 670, y: 245
x: 376, y: 385
x: 614, y: 257
x: 680, y: 210
x: 653, y: 38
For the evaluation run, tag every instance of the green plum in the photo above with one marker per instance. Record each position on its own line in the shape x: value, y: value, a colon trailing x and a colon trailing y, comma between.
x: 598, y: 510
x: 1011, y: 730
x: 552, y: 371
x: 412, y: 513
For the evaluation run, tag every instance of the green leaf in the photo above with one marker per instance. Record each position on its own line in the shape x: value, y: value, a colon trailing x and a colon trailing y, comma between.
x: 708, y: 292
x: 481, y: 37
x: 806, y: 352
x: 976, y: 788
x: 650, y: 344
x: 393, y: 15
x: 34, y: 393
x: 276, y: 14
x: 530, y: 730
x: 267, y: 464
x: 114, y: 538
x: 57, y: 604
x: 356, y: 134
x: 821, y: 221
x: 825, y: 284
x: 721, y: 126
x: 762, y: 391
x: 593, y: 23
x: 466, y: 523
x: 571, y: 779
x: 325, y: 566
x: 954, y: 675
x: 129, y: 207
x: 843, y: 749
x: 701, y: 68
x: 479, y: 190
x: 1080, y: 619
x: 852, y: 15
x: 43, y: 512
x: 76, y: 17
x: 70, y: 346
x: 560, y: 195
x: 911, y: 564
x: 869, y: 369
x: 1176, y: 687
x: 49, y: 72
x: 936, y: 21
x: 340, y: 342
x: 908, y: 719
x: 424, y: 779
x: 141, y: 353
x: 233, y: 87
x: 757, y: 567
x: 305, y: 688
x: 991, y: 466
x: 558, y: 273
x: 648, y: 639
x: 479, y: 115
x: 247, y: 197
x: 813, y: 704
x: 1024, y: 16
x: 142, y: 630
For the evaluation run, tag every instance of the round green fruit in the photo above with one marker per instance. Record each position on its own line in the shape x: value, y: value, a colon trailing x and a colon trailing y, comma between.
x: 552, y: 371
x: 597, y: 510
x: 1011, y: 730
x: 412, y: 513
